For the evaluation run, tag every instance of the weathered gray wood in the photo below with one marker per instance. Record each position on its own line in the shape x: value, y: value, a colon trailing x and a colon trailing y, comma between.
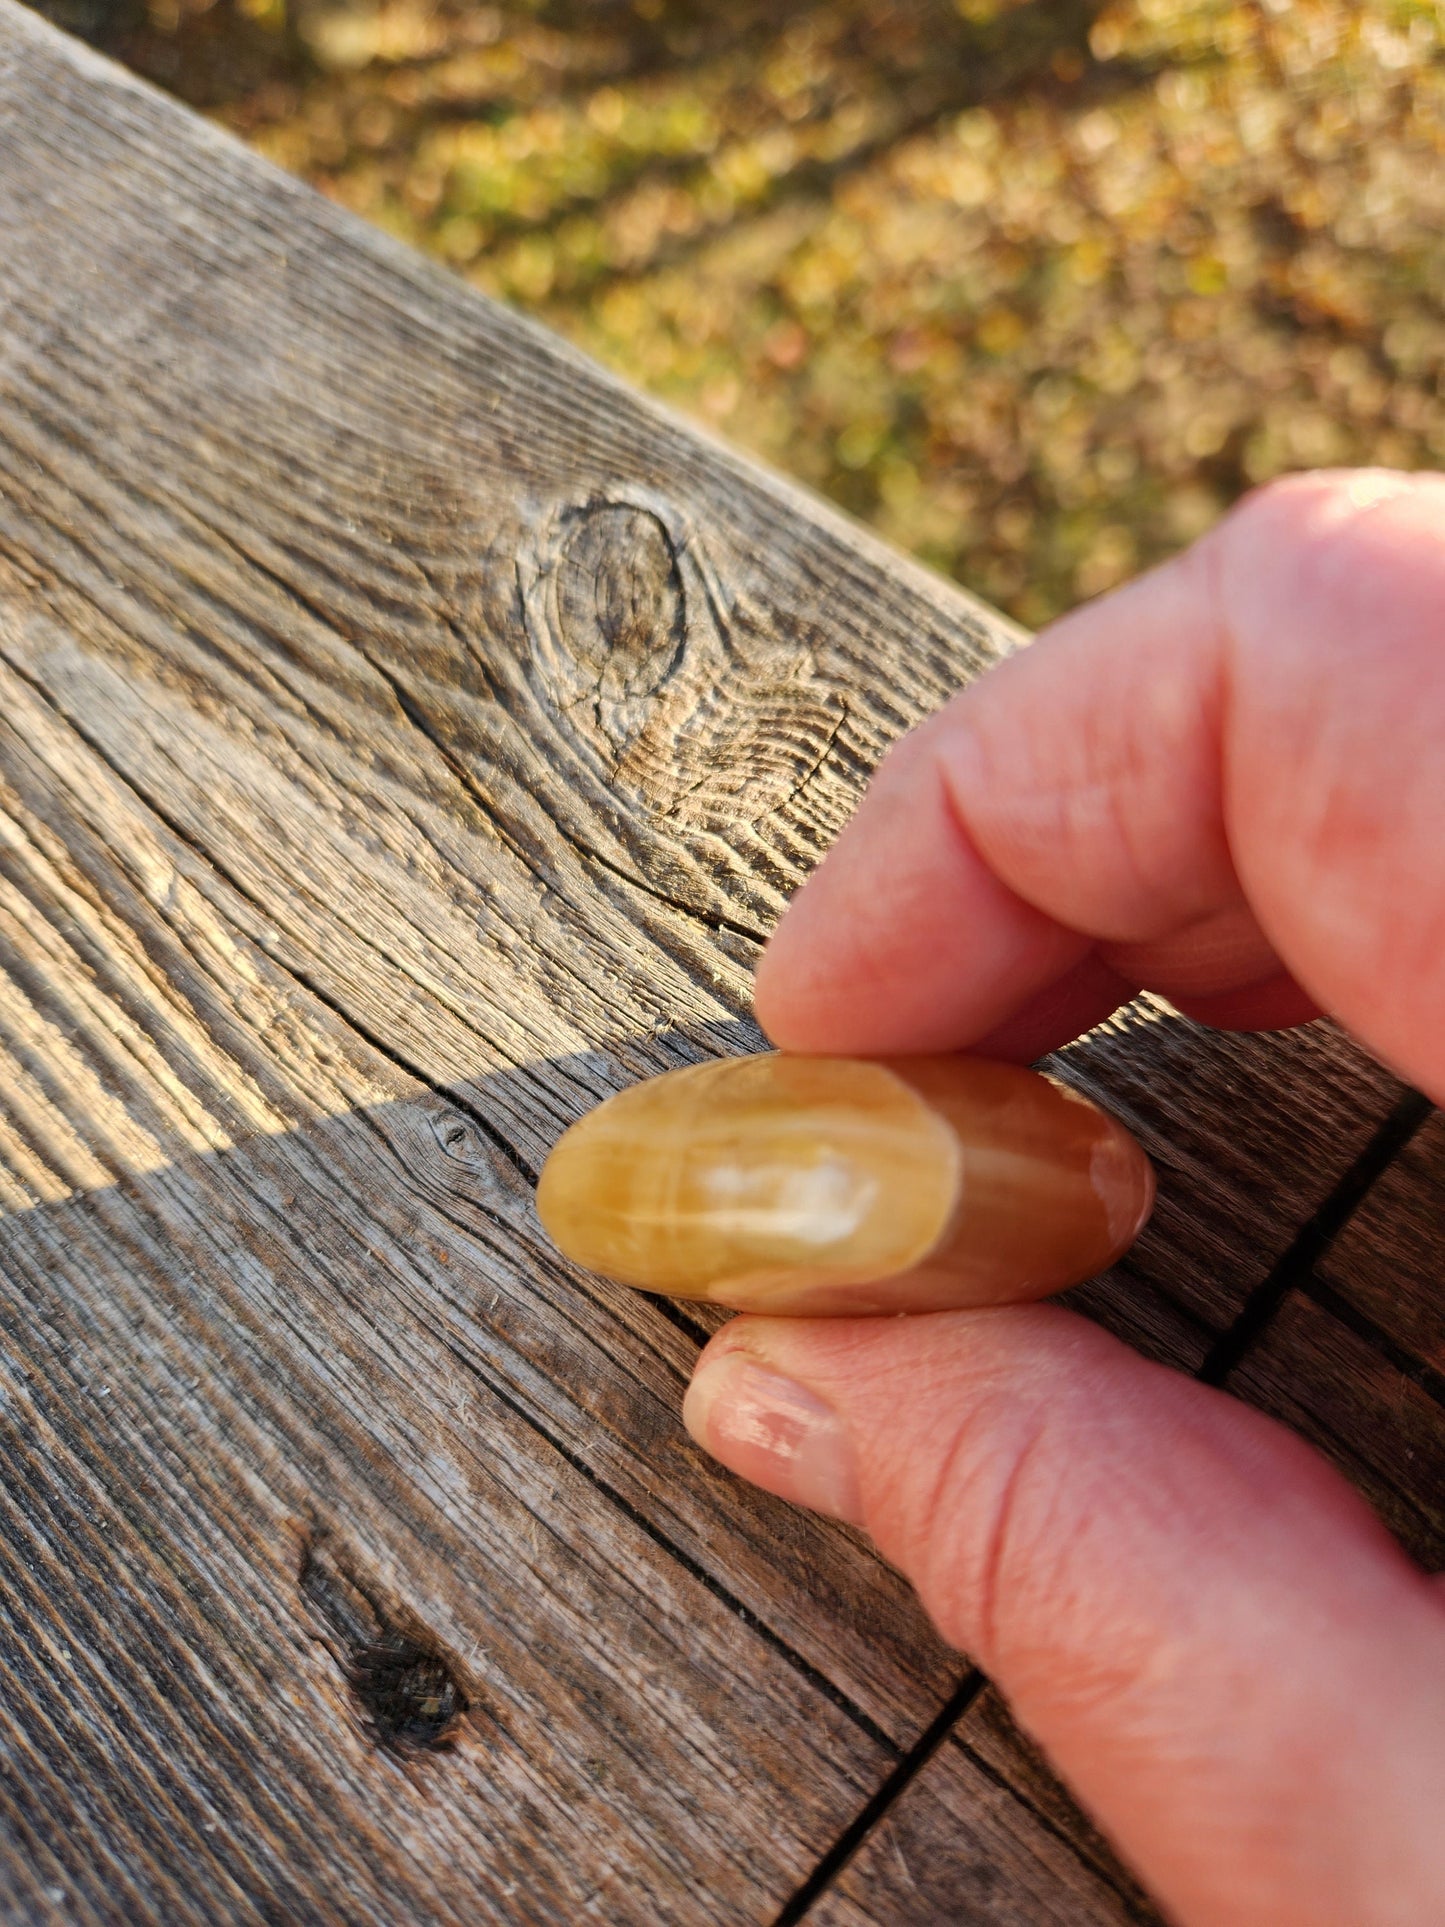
x: 1388, y: 1269
x: 406, y: 735
x: 960, y: 1845
x: 1250, y: 1135
x: 1384, y: 1431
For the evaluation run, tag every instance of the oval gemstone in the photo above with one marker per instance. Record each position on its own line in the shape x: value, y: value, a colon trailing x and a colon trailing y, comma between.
x: 838, y: 1185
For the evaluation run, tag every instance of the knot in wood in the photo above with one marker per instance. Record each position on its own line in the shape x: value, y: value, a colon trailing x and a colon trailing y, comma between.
x: 612, y: 622
x: 408, y: 1693
x: 707, y: 710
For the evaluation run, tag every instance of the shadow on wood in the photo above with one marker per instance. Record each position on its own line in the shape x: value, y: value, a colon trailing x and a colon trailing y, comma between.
x: 406, y: 737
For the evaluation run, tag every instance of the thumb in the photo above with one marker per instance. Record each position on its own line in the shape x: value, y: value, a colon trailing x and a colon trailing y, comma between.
x: 1214, y: 1639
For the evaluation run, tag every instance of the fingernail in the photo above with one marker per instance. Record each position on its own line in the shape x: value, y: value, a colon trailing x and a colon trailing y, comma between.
x: 775, y: 1432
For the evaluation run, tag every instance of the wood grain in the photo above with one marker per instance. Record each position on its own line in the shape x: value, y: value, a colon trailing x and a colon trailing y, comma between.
x: 960, y: 1844
x: 1383, y: 1430
x: 1387, y: 1273
x: 406, y: 737
x: 1250, y: 1136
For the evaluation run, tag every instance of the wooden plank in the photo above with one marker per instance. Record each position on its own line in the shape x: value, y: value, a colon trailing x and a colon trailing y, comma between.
x: 406, y: 737
x: 278, y: 1309
x: 1382, y: 1428
x: 350, y: 1334
x: 1250, y: 1136
x: 1388, y: 1268
x: 434, y: 901
x: 961, y: 1845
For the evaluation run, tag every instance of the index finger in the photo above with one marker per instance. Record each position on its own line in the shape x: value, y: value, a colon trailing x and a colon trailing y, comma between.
x: 1222, y: 782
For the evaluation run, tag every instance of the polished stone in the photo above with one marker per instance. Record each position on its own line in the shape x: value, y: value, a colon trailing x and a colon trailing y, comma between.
x: 838, y: 1185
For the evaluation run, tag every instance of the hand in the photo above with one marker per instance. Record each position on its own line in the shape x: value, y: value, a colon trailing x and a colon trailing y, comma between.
x: 1225, y: 783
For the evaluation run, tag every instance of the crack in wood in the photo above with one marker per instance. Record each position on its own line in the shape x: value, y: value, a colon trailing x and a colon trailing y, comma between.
x: 1418, y: 1370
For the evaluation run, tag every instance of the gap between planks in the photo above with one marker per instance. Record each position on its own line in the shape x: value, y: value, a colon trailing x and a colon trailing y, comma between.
x: 1294, y: 1270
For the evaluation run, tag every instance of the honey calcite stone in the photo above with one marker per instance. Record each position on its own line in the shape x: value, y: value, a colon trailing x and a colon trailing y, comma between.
x: 834, y: 1185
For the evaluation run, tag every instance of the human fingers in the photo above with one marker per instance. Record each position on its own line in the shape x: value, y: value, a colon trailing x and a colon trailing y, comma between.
x: 1093, y: 989
x: 1212, y: 1637
x: 1223, y: 782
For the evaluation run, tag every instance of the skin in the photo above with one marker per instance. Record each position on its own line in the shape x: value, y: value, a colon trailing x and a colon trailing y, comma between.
x: 1226, y: 783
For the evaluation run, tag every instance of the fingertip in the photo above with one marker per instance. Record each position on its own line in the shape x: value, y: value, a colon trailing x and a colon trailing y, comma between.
x: 1289, y: 515
x: 903, y: 940
x: 773, y: 1430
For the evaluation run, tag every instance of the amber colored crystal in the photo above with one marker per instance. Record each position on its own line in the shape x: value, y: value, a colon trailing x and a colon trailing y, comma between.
x: 838, y: 1185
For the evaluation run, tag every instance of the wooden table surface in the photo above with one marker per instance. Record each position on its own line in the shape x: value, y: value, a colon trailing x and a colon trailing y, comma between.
x: 407, y: 736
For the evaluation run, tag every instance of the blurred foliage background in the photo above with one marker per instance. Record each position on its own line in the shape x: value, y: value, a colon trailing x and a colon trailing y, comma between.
x: 1037, y: 287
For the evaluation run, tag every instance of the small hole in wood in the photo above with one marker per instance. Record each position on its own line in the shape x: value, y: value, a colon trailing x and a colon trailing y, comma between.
x: 405, y: 1687
x: 410, y: 1696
